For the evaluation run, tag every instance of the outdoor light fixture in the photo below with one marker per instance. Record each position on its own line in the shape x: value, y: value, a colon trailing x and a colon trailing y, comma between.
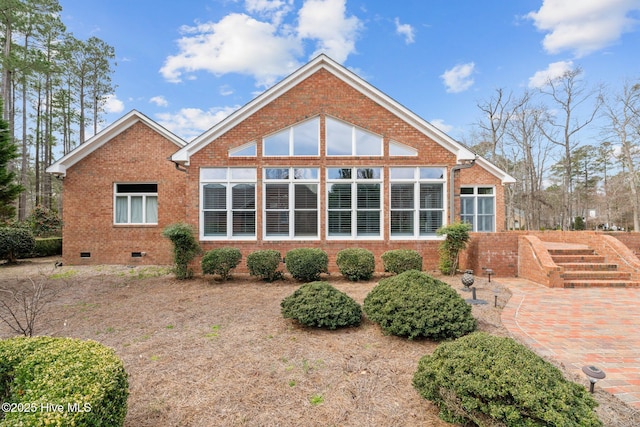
x: 489, y: 272
x: 594, y: 374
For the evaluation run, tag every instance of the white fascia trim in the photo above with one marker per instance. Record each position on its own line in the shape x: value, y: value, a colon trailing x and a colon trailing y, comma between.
x: 98, y: 140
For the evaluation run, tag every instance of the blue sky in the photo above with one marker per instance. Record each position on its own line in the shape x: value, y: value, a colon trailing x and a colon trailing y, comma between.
x: 189, y: 64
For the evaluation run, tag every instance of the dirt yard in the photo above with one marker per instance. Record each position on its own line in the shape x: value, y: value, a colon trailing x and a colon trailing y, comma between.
x: 209, y: 353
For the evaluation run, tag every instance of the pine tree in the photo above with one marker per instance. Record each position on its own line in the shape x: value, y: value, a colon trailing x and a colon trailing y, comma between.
x: 9, y: 190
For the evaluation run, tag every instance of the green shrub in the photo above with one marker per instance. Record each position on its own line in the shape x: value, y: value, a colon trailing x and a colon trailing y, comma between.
x: 489, y: 380
x: 321, y: 305
x: 86, y: 378
x: 414, y: 304
x: 400, y: 260
x: 44, y: 222
x: 221, y: 261
x: 457, y: 237
x: 356, y: 263
x: 48, y: 246
x: 264, y: 264
x: 306, y: 264
x: 185, y: 248
x: 16, y: 242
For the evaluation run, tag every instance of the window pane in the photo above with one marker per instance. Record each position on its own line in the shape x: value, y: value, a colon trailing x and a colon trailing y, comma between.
x: 277, y: 196
x: 306, y: 138
x: 369, y: 173
x: 466, y: 206
x: 368, y: 196
x: 466, y: 190
x: 485, y: 190
x: 340, y: 223
x: 214, y: 196
x: 402, y: 223
x: 248, y: 150
x: 430, y: 196
x: 485, y: 223
x: 215, y: 223
x: 280, y: 173
x: 137, y: 188
x: 277, y: 223
x: 151, y: 210
x: 402, y: 173
x: 340, y: 196
x: 277, y: 144
x: 485, y: 205
x: 310, y: 173
x: 243, y: 196
x: 430, y: 221
x: 368, y: 223
x: 335, y: 173
x: 397, y: 149
x: 306, y: 223
x: 339, y: 138
x: 136, y: 209
x: 367, y: 144
x: 122, y: 210
x: 401, y: 196
x: 213, y: 174
x: 431, y: 173
x: 306, y: 196
x: 244, y: 223
x: 242, y: 173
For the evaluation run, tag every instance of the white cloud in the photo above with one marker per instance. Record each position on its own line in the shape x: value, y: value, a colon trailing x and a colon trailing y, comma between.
x: 458, y: 79
x: 405, y: 30
x: 276, y: 10
x: 236, y: 44
x: 113, y: 104
x: 189, y: 123
x: 440, y: 124
x: 553, y: 71
x: 326, y: 22
x: 160, y: 101
x: 226, y: 90
x: 583, y: 26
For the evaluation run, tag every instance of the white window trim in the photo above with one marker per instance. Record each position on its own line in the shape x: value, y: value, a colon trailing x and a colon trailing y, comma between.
x: 354, y: 181
x: 416, y: 181
x: 228, y: 182
x: 233, y: 152
x: 129, y: 195
x: 353, y: 140
x: 475, y: 197
x: 291, y: 132
x: 291, y: 181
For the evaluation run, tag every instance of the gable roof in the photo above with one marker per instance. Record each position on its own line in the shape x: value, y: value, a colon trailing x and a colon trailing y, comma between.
x: 98, y: 140
x: 323, y: 62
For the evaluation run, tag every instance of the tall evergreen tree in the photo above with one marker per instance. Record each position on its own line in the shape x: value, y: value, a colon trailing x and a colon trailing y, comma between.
x: 9, y: 190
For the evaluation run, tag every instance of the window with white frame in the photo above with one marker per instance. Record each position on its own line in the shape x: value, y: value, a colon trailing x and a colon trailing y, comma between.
x: 246, y: 150
x: 344, y: 139
x: 477, y: 207
x: 228, y: 203
x: 354, y: 201
x: 416, y: 201
x: 302, y: 139
x: 136, y: 203
x: 291, y: 202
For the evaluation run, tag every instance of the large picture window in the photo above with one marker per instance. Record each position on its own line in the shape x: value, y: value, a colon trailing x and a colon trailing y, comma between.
x: 291, y: 202
x: 136, y: 203
x: 228, y: 203
x: 477, y: 207
x: 354, y: 202
x: 416, y: 200
x: 302, y: 139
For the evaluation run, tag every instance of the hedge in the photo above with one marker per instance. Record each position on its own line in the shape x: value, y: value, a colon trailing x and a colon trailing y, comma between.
x: 356, y: 263
x: 61, y: 382
x: 221, y: 261
x: 264, y: 264
x: 306, y: 264
x: 48, y: 246
x: 16, y: 242
x: 400, y: 260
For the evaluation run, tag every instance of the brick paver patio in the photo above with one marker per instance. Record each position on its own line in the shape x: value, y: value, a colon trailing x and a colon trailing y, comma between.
x: 578, y: 327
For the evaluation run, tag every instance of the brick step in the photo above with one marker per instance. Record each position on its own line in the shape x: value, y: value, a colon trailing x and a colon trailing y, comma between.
x: 595, y: 275
x: 563, y: 259
x: 601, y: 284
x: 571, y: 251
x: 588, y: 266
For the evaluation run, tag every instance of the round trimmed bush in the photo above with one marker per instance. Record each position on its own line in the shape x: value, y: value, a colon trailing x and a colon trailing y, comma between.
x: 264, y: 264
x: 185, y: 248
x: 400, y: 260
x: 221, y: 261
x: 306, y: 264
x: 16, y: 242
x: 84, y: 379
x: 486, y: 380
x: 356, y: 263
x: 414, y: 304
x: 321, y: 305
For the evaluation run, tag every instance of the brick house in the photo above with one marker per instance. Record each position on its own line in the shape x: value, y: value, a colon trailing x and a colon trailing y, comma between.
x: 322, y: 158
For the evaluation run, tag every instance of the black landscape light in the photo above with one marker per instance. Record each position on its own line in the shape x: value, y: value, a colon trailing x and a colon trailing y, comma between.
x: 594, y: 374
x: 489, y: 272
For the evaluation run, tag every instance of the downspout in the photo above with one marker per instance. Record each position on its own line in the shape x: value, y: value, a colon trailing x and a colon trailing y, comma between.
x: 178, y: 166
x: 452, y: 189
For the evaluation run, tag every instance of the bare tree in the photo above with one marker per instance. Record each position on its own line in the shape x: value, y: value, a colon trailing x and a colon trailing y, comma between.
x: 20, y: 308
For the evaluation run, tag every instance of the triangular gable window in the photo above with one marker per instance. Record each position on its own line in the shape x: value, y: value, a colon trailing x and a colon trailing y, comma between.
x: 302, y: 139
x: 246, y: 150
x: 397, y: 149
x: 344, y: 139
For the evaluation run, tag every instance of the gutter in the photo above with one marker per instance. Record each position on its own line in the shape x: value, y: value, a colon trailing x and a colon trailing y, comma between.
x: 452, y: 189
